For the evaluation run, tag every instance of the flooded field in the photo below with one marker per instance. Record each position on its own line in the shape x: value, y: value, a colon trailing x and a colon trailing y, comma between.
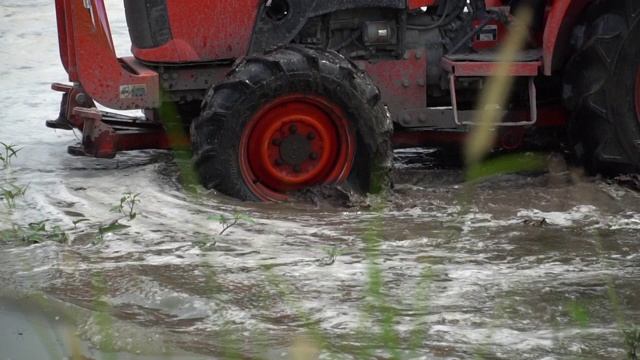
x: 542, y: 265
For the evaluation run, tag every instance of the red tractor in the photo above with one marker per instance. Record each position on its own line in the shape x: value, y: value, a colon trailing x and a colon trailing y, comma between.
x: 278, y: 95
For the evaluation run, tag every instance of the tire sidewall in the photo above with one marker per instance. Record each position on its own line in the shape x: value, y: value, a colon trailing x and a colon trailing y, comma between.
x: 343, y: 96
x: 621, y: 94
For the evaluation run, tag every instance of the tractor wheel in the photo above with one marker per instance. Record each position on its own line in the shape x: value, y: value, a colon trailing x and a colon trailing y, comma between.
x: 290, y: 119
x: 602, y: 88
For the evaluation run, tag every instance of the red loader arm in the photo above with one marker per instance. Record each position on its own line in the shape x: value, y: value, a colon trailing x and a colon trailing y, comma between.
x: 88, y: 56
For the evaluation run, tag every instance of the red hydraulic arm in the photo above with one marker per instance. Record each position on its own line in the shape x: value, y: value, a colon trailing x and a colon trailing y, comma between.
x: 87, y: 53
x: 88, y: 56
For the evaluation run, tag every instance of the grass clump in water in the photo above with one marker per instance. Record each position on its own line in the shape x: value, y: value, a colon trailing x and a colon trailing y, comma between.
x: 35, y: 233
x: 10, y: 152
x: 127, y: 204
x: 632, y: 341
x: 8, y: 195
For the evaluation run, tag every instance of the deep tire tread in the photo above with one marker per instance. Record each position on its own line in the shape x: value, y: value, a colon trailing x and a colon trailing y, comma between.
x: 258, y: 79
x: 600, y: 130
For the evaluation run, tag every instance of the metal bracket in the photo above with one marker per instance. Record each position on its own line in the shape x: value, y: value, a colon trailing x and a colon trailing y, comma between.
x: 533, y: 105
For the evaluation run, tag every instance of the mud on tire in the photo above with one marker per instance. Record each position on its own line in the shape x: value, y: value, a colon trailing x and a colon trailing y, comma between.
x: 602, y: 88
x: 291, y: 118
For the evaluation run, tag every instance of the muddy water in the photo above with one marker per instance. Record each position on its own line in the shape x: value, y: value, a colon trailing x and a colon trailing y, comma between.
x: 532, y: 266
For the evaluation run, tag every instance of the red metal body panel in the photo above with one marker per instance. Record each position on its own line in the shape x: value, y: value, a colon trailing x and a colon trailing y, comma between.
x: 402, y: 83
x: 414, y: 4
x: 87, y: 47
x: 66, y: 43
x: 88, y: 56
x: 468, y: 68
x: 205, y: 31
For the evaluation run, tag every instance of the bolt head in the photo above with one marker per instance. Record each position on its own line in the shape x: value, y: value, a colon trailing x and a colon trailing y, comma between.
x: 313, y: 156
x: 311, y: 136
x: 81, y: 98
x: 297, y: 168
x: 276, y: 142
x: 293, y: 129
x: 278, y: 162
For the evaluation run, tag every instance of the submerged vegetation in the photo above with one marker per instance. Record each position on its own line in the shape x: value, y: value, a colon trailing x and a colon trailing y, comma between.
x: 34, y: 233
x: 127, y: 204
x: 230, y: 222
x: 10, y: 193
x: 10, y: 151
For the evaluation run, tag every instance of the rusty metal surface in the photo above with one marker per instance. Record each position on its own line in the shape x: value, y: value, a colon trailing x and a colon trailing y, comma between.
x: 480, y: 68
x: 402, y: 83
x: 105, y: 134
x: 73, y: 96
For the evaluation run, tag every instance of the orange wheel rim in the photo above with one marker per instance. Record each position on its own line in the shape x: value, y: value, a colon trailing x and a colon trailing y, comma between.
x: 293, y: 142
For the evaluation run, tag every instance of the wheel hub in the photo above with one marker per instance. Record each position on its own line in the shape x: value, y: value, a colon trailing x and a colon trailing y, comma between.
x: 295, y: 149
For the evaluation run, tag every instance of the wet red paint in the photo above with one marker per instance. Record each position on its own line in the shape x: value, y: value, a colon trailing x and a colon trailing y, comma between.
x: 402, y: 83
x: 561, y: 19
x: 89, y: 58
x: 226, y: 24
x: 414, y: 4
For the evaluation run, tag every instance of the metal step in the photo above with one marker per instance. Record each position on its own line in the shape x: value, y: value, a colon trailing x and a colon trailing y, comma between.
x: 493, y: 55
x: 489, y: 63
x: 527, y: 63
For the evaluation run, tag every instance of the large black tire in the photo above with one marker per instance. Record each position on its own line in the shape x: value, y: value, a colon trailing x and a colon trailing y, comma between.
x: 323, y: 119
x: 602, y: 88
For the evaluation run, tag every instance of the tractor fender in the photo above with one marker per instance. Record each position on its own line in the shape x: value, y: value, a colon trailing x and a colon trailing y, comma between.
x: 562, y: 19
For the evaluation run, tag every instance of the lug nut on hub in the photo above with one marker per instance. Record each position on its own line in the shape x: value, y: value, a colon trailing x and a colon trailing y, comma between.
x: 311, y: 136
x: 278, y: 162
x: 293, y: 129
x: 297, y: 168
x: 313, y: 156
